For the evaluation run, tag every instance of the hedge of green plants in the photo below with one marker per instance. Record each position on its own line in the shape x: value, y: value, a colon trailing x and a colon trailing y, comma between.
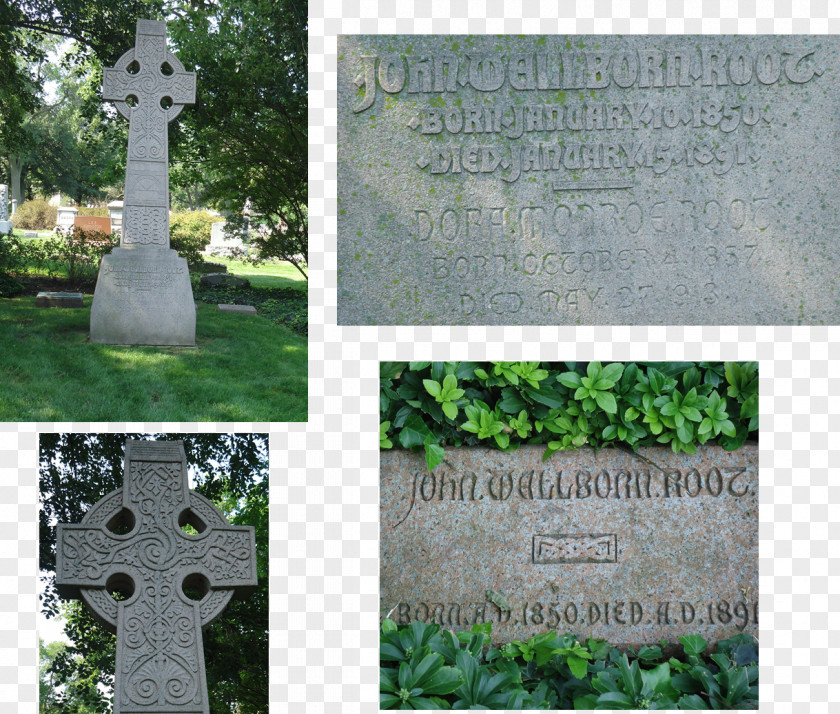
x: 423, y: 667
x: 566, y: 405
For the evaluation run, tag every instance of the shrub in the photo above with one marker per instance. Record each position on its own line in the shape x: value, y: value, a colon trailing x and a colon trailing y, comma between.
x: 567, y: 405
x: 35, y: 215
x: 85, y: 211
x: 424, y: 667
x: 189, y: 233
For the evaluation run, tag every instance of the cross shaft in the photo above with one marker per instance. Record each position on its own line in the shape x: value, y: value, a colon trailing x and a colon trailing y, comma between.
x: 158, y: 87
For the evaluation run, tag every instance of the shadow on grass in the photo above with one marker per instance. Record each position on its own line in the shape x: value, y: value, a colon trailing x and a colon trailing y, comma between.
x: 244, y: 368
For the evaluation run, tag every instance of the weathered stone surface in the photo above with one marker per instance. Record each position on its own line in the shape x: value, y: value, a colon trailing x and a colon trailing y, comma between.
x: 143, y: 294
x: 93, y: 224
x: 672, y: 550
x: 66, y: 217
x: 588, y: 180
x: 132, y: 541
x: 5, y: 223
x: 53, y: 299
x: 227, y: 279
x: 244, y: 309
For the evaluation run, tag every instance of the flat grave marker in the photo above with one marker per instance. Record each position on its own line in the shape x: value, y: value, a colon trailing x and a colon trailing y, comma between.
x: 588, y: 179
x: 59, y: 299
x: 632, y: 549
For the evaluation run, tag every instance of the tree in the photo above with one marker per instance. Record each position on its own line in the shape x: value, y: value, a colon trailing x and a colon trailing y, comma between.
x: 76, y: 470
x: 250, y: 118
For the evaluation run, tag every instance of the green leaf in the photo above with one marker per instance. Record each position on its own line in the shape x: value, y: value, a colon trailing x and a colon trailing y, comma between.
x: 511, y: 401
x: 692, y: 701
x: 432, y: 387
x: 612, y: 373
x: 450, y: 409
x: 606, y: 401
x: 693, y: 644
x: 414, y: 432
x: 434, y: 455
x: 570, y: 379
x: 577, y: 665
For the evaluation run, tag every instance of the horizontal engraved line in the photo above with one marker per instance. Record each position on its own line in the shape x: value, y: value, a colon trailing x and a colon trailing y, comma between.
x: 592, y: 185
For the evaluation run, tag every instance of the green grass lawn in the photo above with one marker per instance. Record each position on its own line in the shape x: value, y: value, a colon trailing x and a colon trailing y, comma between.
x: 268, y: 275
x: 244, y: 368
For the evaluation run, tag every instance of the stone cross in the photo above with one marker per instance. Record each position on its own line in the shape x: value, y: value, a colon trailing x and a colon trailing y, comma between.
x: 132, y: 541
x: 150, y: 88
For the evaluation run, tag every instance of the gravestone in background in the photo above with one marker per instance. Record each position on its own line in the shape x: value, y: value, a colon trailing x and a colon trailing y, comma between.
x: 143, y: 294
x: 632, y: 549
x: 132, y: 541
x: 93, y: 224
x: 5, y: 223
x: 588, y: 179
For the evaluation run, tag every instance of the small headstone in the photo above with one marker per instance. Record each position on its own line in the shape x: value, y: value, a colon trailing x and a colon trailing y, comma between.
x: 632, y: 549
x: 115, y: 211
x: 55, y: 299
x: 66, y: 218
x: 30, y: 234
x: 93, y: 224
x: 592, y: 179
x: 220, y: 242
x: 244, y: 309
x: 132, y: 541
x: 226, y: 279
x: 5, y: 223
x: 143, y: 294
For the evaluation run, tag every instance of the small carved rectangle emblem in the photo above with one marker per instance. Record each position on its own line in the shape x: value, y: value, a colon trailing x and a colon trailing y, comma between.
x: 575, y: 548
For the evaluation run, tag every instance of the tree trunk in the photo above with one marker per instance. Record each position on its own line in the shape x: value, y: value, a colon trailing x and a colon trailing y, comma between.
x: 16, y: 171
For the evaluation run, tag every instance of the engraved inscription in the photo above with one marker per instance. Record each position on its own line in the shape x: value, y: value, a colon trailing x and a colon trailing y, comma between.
x: 564, y: 548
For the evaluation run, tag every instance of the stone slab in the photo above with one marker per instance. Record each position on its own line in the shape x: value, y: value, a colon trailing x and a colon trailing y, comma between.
x: 54, y: 299
x: 245, y: 309
x: 93, y: 224
x: 588, y: 179
x: 143, y: 297
x: 6, y: 227
x: 629, y: 548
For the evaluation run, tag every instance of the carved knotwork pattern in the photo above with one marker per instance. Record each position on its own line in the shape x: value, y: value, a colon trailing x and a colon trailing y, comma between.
x: 4, y: 200
x: 159, y: 642
x: 145, y: 225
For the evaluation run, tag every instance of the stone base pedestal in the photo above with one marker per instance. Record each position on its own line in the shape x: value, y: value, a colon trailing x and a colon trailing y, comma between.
x: 5, y: 227
x: 143, y: 297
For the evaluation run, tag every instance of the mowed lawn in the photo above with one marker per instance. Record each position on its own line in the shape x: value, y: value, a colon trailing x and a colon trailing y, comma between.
x: 267, y: 275
x: 243, y: 368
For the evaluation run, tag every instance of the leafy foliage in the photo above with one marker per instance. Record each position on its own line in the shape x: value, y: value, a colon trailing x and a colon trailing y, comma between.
x: 283, y: 306
x: 35, y: 214
x: 76, y: 470
x: 189, y: 233
x: 566, y: 405
x: 424, y: 667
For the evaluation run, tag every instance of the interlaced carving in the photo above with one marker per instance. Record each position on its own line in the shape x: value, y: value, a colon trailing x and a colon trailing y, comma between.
x: 159, y: 650
x: 156, y: 99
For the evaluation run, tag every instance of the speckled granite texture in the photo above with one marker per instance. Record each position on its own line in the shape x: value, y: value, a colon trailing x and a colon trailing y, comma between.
x: 628, y: 548
x: 588, y: 179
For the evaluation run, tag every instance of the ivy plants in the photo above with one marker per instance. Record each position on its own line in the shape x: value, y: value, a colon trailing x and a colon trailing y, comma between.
x: 424, y: 667
x: 566, y: 405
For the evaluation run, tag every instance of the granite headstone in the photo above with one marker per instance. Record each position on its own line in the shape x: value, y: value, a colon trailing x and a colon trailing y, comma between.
x: 93, y: 224
x: 588, y: 179
x: 143, y: 294
x: 132, y: 541
x: 629, y: 548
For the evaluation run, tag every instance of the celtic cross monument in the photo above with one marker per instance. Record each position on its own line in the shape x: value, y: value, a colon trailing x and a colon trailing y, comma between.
x: 143, y: 294
x: 132, y: 541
